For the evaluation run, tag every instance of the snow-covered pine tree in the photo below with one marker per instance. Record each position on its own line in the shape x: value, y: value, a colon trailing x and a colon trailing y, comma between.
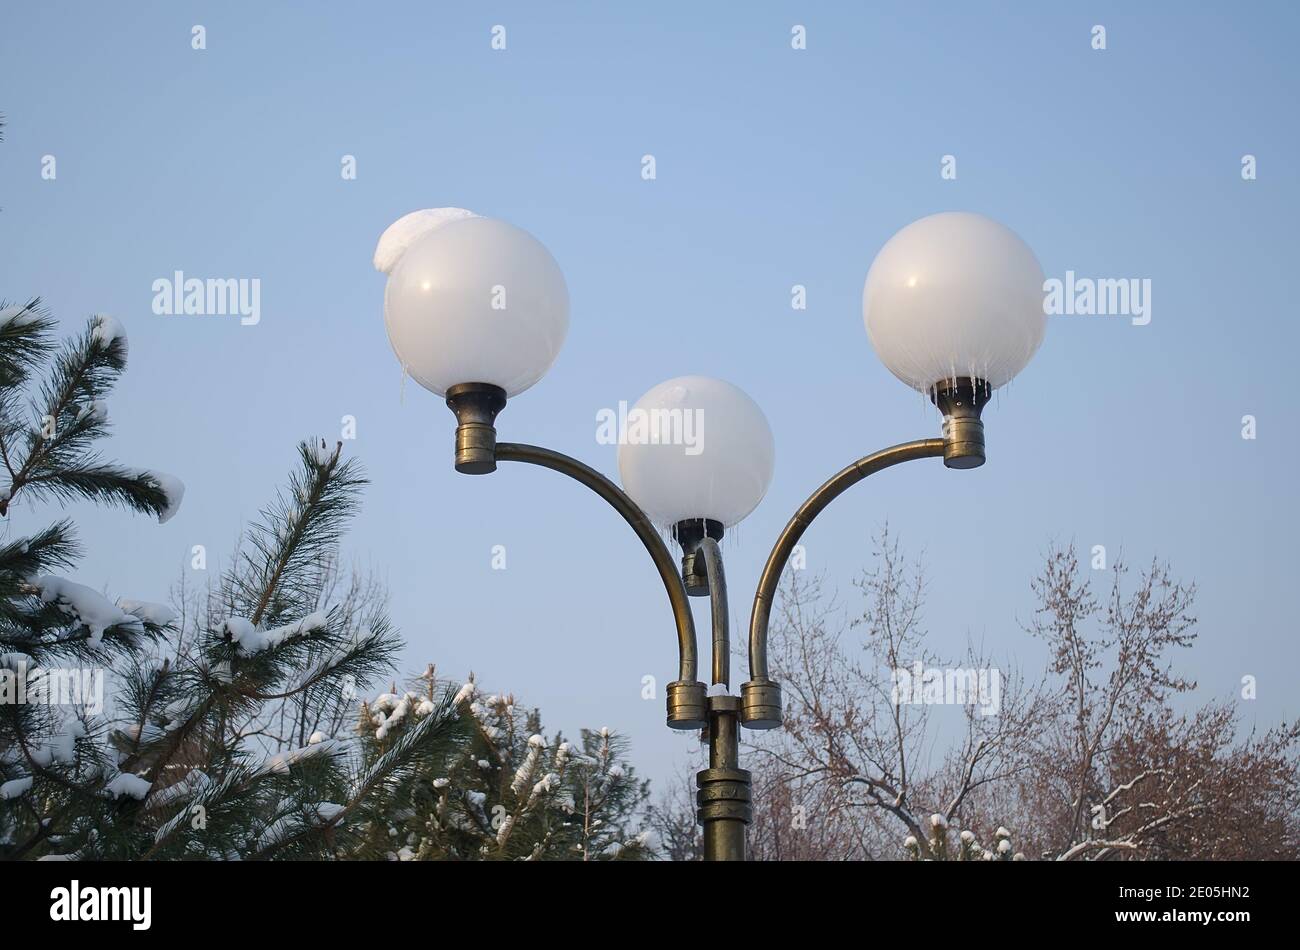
x: 509, y: 793
x: 52, y: 628
x: 169, y: 769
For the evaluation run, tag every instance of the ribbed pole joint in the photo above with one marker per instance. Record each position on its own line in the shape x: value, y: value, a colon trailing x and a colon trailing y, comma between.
x: 724, y: 810
x: 760, y: 704
x: 687, y: 705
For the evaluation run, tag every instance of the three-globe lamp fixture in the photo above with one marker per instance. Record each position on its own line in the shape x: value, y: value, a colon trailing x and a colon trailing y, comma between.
x: 477, y: 310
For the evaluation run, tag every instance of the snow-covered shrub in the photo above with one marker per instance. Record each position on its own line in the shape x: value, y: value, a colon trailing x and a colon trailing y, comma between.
x: 509, y: 792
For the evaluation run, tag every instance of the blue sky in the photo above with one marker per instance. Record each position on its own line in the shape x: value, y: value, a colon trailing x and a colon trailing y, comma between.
x: 775, y: 167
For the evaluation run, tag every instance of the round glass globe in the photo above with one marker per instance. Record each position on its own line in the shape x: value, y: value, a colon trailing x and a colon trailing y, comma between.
x: 476, y: 300
x: 951, y: 295
x: 695, y: 447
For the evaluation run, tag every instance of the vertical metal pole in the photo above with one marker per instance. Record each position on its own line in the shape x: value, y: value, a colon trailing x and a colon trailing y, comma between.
x: 724, y: 795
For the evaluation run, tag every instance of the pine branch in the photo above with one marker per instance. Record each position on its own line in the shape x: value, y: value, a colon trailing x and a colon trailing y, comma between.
x: 323, y: 493
x: 51, y: 549
x: 434, y: 735
x: 25, y: 340
x: 296, y: 534
x: 71, y: 416
x: 106, y: 483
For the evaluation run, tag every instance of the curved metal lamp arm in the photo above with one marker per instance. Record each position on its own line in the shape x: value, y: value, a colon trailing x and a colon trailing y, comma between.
x: 762, y: 698
x: 718, y: 602
x: 634, y: 516
x: 476, y: 406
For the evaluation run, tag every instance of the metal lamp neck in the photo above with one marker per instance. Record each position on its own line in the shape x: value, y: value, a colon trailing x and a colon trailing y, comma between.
x: 690, y: 534
x: 961, y: 401
x: 476, y: 406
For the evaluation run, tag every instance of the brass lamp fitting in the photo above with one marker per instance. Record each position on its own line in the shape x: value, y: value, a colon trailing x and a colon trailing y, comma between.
x: 961, y: 401
x: 476, y: 406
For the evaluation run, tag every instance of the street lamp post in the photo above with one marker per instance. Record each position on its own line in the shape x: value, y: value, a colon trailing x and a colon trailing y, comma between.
x: 477, y: 310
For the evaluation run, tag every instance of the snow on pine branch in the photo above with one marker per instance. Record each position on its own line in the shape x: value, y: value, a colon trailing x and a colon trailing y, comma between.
x: 524, y: 774
x: 388, y: 711
x: 194, y: 782
x: 323, y: 455
x: 61, y: 748
x: 159, y: 615
x: 133, y: 786
x: 251, y: 640
x: 281, y: 762
x: 89, y: 608
x: 466, y: 693
x: 15, y: 788
x: 173, y: 490
x: 294, y: 823
x: 107, y: 331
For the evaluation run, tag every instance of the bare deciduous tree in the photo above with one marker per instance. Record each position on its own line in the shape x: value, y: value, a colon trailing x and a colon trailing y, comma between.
x: 672, y: 818
x: 854, y: 769
x: 1121, y: 775
x: 1092, y: 763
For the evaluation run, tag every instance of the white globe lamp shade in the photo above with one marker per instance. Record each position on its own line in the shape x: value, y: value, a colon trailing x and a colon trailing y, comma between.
x: 695, y: 448
x: 951, y: 296
x: 476, y: 300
